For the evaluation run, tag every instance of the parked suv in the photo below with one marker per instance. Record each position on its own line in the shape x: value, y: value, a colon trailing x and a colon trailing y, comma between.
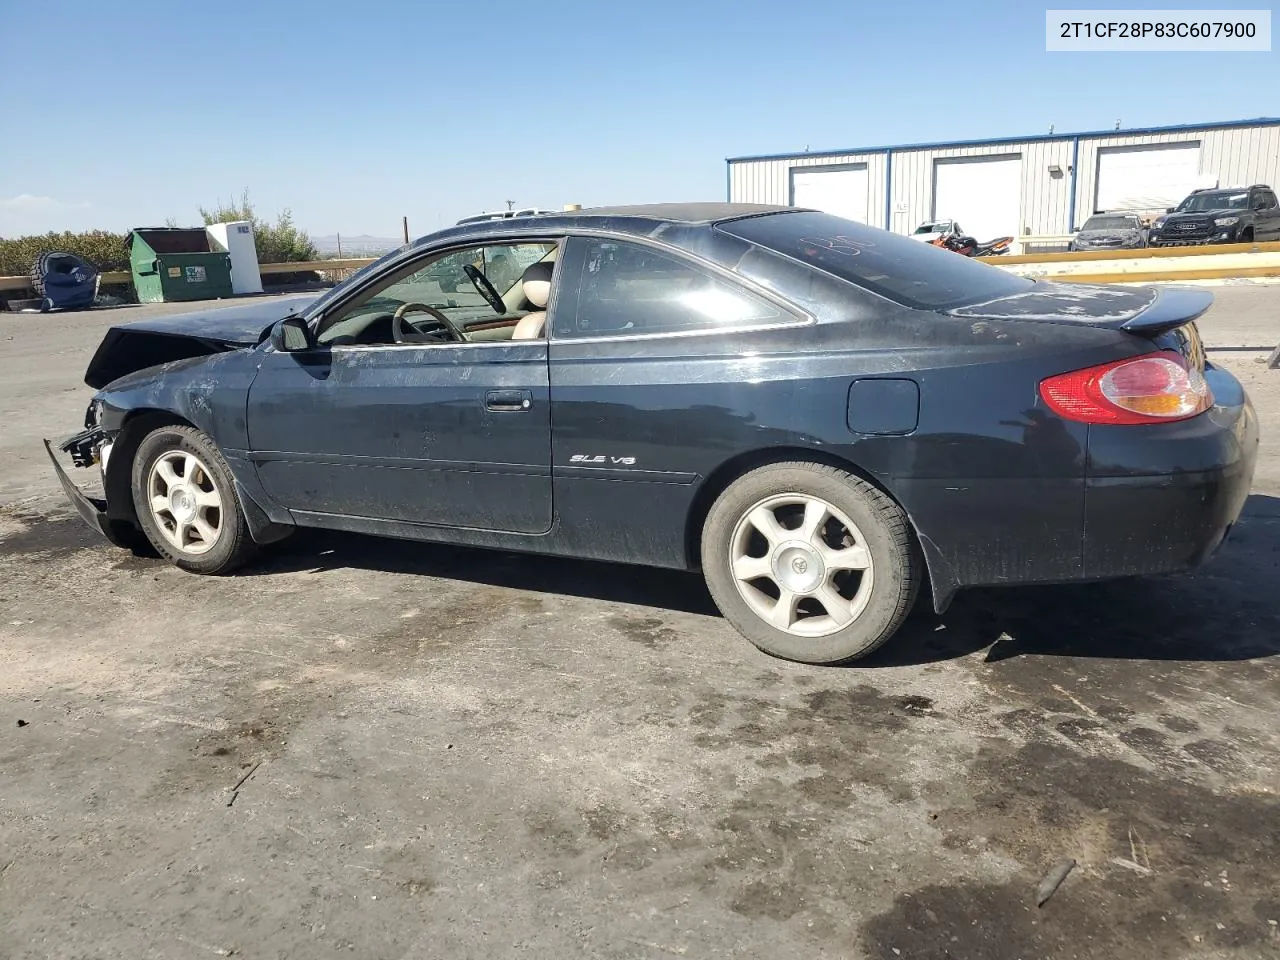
x: 1233, y: 215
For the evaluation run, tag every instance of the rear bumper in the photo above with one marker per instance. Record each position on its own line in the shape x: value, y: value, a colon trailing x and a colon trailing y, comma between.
x: 1163, y: 499
x: 1151, y: 500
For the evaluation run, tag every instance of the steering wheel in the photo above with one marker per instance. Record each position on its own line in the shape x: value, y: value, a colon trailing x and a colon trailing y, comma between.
x: 400, y: 335
x: 485, y: 288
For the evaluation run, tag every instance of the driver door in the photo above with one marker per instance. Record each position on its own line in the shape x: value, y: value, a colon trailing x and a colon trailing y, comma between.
x: 452, y: 429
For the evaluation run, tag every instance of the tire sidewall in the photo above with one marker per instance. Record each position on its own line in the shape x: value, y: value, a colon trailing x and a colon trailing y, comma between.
x: 894, y: 565
x: 232, y: 540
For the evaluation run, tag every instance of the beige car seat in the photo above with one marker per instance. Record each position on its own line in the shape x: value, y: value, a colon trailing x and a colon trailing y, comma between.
x: 536, y: 284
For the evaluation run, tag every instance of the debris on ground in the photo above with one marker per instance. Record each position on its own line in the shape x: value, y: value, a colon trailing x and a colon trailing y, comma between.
x: 1052, y: 880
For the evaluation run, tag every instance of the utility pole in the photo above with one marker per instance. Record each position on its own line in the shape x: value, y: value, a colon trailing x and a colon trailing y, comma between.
x: 339, y: 246
x: 404, y: 222
x: 511, y: 205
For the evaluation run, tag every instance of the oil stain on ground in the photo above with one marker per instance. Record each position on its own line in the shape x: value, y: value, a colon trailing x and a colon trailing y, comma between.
x: 1198, y: 872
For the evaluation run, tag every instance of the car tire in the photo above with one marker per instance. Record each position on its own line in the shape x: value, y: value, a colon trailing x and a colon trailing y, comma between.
x: 186, y: 502
x: 834, y: 539
x: 1246, y: 236
x: 37, y: 274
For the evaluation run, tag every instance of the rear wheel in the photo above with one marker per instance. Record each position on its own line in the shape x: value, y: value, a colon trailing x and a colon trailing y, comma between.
x: 809, y: 562
x: 186, y: 502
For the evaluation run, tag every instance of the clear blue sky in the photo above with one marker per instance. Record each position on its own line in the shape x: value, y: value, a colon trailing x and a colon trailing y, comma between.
x: 353, y: 114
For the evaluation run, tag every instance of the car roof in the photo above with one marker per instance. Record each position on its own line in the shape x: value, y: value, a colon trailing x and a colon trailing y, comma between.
x: 640, y: 220
x: 684, y: 212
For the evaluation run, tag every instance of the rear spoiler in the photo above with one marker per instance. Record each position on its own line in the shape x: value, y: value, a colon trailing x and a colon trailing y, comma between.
x: 1173, y: 307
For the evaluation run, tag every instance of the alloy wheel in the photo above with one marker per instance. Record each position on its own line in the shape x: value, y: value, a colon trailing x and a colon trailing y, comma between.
x: 801, y: 565
x: 185, y: 501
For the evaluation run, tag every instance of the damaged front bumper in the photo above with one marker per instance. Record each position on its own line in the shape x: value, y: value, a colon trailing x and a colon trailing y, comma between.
x: 84, y: 446
x: 87, y: 448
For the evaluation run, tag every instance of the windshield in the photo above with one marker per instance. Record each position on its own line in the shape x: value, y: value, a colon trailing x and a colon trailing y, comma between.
x: 1214, y: 201
x: 933, y: 227
x: 1111, y: 223
x: 904, y: 270
x: 354, y: 279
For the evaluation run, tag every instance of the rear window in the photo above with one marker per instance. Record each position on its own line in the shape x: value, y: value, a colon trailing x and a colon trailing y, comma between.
x: 907, y: 271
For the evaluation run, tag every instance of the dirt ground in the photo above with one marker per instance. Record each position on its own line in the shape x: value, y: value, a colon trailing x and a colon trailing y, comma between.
x: 361, y: 748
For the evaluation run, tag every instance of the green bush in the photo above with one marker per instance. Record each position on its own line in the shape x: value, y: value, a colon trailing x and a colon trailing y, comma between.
x: 279, y: 242
x: 105, y: 250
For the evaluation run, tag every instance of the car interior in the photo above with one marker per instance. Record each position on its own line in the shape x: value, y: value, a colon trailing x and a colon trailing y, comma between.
x: 480, y: 294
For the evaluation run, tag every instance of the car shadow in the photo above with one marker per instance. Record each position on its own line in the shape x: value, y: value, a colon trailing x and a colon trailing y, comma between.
x: 1229, y: 610
x: 321, y: 550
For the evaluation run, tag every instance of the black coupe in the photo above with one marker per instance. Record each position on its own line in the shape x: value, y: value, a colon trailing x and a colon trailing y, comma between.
x: 824, y: 417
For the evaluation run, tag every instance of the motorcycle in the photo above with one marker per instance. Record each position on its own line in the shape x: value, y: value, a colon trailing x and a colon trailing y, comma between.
x: 969, y: 247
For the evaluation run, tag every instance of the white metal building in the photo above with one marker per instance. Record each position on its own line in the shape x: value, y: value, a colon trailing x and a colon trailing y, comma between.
x: 1041, y: 185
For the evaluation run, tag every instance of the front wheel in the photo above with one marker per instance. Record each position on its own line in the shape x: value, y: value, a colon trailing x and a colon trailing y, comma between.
x: 186, y: 502
x: 809, y: 562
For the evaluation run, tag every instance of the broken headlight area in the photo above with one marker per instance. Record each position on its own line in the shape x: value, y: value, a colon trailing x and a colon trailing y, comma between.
x: 84, y: 447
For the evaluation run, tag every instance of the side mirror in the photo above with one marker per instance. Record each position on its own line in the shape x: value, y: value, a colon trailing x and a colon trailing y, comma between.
x: 1170, y: 209
x: 291, y: 335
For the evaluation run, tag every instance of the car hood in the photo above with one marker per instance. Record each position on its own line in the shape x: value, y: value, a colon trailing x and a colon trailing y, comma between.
x: 1201, y: 214
x: 1141, y: 310
x: 129, y: 347
x: 1105, y: 236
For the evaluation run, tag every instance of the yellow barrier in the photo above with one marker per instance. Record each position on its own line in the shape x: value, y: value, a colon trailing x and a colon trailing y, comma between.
x: 1140, y: 254
x: 1236, y: 262
x: 1147, y: 276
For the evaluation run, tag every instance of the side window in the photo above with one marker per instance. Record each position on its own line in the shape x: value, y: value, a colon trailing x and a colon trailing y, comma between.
x: 1268, y: 199
x: 626, y: 288
x: 438, y: 301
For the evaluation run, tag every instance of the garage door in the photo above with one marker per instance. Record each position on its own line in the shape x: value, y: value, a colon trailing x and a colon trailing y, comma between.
x: 841, y: 190
x: 983, y: 196
x: 1149, y: 177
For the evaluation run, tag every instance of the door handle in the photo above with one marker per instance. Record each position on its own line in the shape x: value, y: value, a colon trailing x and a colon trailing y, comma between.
x: 508, y: 401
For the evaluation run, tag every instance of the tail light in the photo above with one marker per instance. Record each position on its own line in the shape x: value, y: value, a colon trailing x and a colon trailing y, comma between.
x: 1156, y: 388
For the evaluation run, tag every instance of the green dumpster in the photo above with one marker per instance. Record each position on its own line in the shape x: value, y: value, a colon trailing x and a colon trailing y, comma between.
x: 176, y: 263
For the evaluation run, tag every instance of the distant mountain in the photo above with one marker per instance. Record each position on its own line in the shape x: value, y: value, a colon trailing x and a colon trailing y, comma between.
x: 356, y: 245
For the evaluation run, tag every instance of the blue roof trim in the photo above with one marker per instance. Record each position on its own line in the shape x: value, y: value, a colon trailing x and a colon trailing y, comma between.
x: 1035, y: 138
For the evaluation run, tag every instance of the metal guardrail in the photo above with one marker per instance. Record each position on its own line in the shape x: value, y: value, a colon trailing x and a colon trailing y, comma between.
x: 118, y: 277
